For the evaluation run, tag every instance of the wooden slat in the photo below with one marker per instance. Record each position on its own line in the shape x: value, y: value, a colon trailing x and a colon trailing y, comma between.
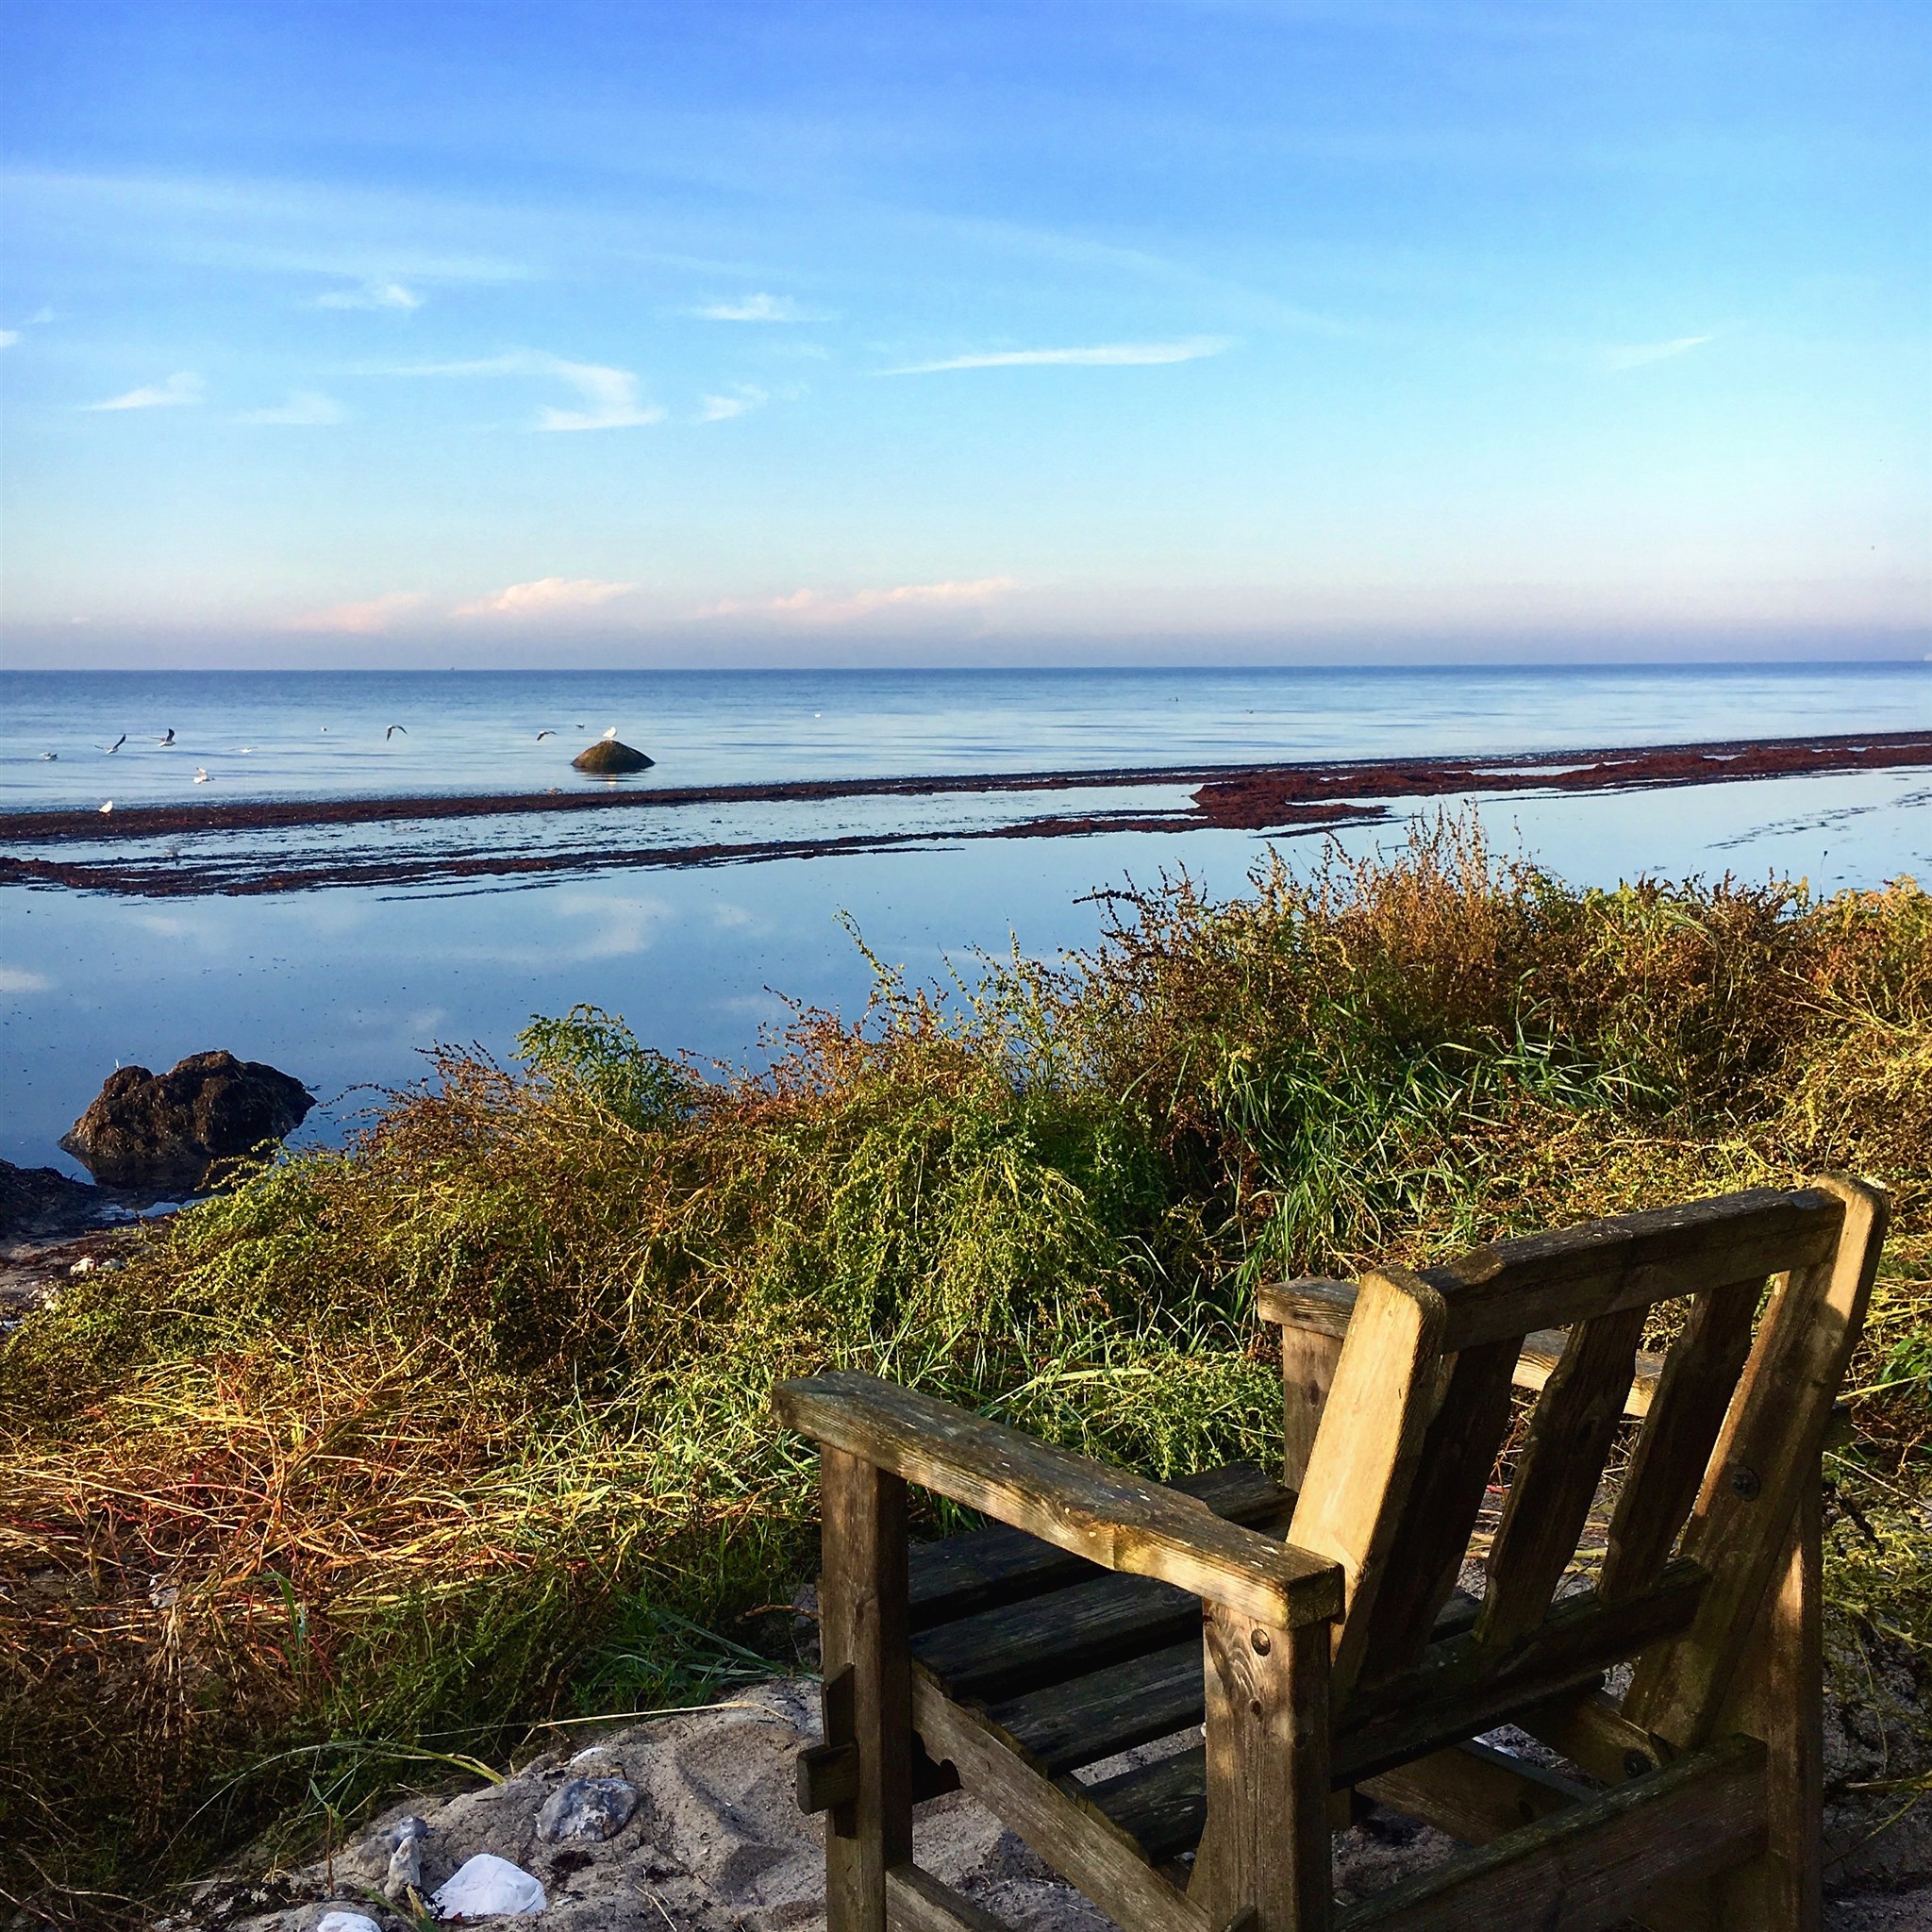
x: 868, y: 1678
x: 1265, y: 1848
x: 1074, y: 1835
x: 1631, y: 1261
x: 1765, y: 1457
x: 981, y: 1568
x: 1315, y: 1304
x: 1557, y: 1475
x: 1462, y: 1688
x: 1323, y: 1307
x: 1357, y: 1480
x: 1080, y: 1719
x: 1699, y: 1377
x: 1309, y: 1360
x: 1001, y: 1653
x: 1162, y: 1805
x: 918, y: 1902
x: 1543, y: 1351
x: 1779, y: 1696
x: 1451, y: 1480
x: 1474, y: 1792
x: 1587, y: 1867
x: 1106, y: 1515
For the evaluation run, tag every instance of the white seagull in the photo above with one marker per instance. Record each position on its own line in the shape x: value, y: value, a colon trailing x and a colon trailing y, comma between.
x: 165, y: 742
x: 610, y: 734
x: 543, y: 734
x: 201, y: 774
x: 111, y: 749
x: 108, y: 806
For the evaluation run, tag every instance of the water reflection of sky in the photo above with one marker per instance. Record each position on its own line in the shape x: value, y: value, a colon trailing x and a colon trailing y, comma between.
x: 326, y: 734
x: 346, y: 987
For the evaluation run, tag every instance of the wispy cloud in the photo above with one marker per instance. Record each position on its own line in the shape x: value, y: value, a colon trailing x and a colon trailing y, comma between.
x: 760, y: 309
x: 19, y: 979
x: 377, y: 294
x: 609, y: 395
x: 1102, y: 356
x: 841, y: 607
x: 9, y: 337
x: 182, y: 388
x: 361, y: 620
x: 305, y: 409
x: 741, y: 401
x: 544, y: 597
x: 1640, y: 355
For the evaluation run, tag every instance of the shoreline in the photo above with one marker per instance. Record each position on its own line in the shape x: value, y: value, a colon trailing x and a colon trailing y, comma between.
x: 1288, y: 797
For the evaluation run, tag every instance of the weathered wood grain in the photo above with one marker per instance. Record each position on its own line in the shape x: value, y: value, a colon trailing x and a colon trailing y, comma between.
x: 1778, y: 1696
x: 918, y: 1902
x: 1631, y: 1261
x: 1584, y: 1868
x: 999, y: 1653
x: 1451, y: 1479
x: 862, y: 1635
x: 1265, y: 1762
x: 1667, y: 1466
x: 1106, y: 1515
x: 981, y: 1568
x: 1060, y: 1820
x: 1766, y: 1456
x: 1080, y: 1719
x: 1366, y: 1453
x: 1557, y: 1472
x: 1474, y: 1792
x: 1463, y: 1688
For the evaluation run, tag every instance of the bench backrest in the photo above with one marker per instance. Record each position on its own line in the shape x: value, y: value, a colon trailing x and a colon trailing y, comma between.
x: 1405, y: 1455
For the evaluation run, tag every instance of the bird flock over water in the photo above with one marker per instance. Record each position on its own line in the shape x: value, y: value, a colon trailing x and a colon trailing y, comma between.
x: 167, y: 741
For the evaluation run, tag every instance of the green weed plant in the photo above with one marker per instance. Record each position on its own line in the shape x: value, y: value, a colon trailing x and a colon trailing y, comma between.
x: 392, y: 1457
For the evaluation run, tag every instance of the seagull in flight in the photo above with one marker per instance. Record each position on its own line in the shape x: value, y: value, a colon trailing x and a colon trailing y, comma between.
x: 392, y: 730
x: 201, y: 774
x: 543, y: 734
x: 111, y: 749
x: 164, y: 742
x: 50, y: 757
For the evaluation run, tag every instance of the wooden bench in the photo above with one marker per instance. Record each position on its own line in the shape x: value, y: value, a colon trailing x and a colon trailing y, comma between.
x: 1315, y: 1627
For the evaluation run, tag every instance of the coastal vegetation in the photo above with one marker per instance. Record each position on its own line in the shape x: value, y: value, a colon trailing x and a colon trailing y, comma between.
x: 380, y: 1465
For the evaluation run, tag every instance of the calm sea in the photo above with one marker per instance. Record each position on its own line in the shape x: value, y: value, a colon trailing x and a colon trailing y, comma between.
x: 346, y: 987
x: 329, y: 734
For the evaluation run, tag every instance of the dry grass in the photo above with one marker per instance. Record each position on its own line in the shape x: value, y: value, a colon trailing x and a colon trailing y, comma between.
x: 406, y: 1449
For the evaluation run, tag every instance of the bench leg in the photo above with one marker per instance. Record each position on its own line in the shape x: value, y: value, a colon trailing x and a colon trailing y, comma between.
x: 863, y: 1631
x: 1779, y: 1696
x: 1266, y: 1849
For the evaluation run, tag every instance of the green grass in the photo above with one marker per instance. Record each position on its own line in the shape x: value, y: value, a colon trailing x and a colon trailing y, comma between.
x: 395, y: 1454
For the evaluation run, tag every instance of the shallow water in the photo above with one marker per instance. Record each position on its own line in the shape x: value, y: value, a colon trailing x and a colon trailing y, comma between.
x: 345, y: 988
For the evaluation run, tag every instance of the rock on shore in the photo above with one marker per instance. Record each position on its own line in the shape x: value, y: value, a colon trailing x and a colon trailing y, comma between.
x: 608, y: 758
x: 168, y: 1131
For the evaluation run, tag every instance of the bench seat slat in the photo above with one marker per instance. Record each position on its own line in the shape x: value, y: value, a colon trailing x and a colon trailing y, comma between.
x: 1080, y: 1721
x: 979, y: 1569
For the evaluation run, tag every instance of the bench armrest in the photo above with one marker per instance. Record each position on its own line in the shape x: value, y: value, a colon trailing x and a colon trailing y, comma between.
x: 1106, y: 1515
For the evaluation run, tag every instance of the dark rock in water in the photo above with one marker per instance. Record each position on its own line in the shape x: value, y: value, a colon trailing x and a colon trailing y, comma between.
x: 608, y: 756
x: 593, y: 1807
x: 42, y: 1200
x: 168, y: 1131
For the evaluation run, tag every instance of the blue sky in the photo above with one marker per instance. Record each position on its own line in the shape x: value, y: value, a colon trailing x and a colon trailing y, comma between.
x: 434, y: 331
